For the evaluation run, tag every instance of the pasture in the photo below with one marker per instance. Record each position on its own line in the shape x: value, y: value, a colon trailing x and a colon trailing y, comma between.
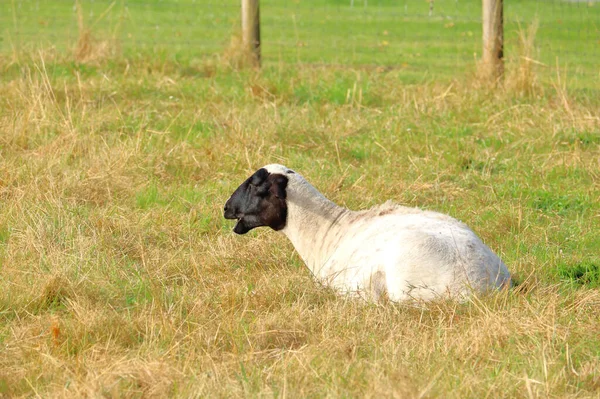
x: 119, y: 276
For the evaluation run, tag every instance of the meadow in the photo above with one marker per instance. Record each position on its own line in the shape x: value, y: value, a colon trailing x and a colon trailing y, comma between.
x: 119, y: 276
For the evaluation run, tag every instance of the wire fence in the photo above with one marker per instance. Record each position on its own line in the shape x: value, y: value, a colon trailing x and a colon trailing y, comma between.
x: 440, y: 37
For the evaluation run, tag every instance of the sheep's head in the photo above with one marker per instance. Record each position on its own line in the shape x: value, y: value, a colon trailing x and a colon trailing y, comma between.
x: 259, y: 201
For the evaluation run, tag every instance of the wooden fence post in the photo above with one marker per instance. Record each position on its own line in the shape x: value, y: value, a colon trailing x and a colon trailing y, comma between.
x: 251, y: 29
x: 493, y: 38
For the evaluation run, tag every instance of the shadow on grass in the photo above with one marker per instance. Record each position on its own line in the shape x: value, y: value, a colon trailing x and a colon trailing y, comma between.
x: 582, y: 274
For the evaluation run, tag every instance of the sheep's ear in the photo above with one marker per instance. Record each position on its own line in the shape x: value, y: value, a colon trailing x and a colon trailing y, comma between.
x: 278, y: 186
x: 259, y: 177
x: 260, y: 180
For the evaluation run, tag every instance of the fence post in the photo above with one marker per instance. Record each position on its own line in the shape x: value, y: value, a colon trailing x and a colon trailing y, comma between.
x: 251, y: 29
x: 493, y: 38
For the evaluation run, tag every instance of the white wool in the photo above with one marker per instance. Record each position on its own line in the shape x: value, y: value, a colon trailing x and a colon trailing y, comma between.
x: 401, y: 252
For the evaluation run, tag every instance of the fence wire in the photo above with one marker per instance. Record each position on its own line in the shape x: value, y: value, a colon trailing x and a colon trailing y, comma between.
x: 440, y: 37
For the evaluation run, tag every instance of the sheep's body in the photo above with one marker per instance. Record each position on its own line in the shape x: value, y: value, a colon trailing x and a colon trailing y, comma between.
x: 400, y: 252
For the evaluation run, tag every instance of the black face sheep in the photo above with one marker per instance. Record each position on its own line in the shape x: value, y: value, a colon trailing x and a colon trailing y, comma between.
x: 389, y: 250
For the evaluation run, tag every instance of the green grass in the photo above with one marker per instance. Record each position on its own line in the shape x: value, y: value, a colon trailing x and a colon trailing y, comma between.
x: 384, y: 33
x: 119, y: 276
x: 586, y: 273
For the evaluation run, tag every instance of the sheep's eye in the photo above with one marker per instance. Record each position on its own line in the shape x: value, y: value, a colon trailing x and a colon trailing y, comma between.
x: 259, y: 191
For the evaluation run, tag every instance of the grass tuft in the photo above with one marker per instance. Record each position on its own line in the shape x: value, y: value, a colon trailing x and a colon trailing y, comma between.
x: 237, y: 56
x: 55, y: 294
x: 522, y: 77
x: 88, y: 48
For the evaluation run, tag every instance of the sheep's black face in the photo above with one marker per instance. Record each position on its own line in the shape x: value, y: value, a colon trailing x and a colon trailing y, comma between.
x: 259, y: 201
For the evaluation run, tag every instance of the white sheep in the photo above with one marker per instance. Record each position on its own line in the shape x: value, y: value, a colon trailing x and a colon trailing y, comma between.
x: 387, y: 251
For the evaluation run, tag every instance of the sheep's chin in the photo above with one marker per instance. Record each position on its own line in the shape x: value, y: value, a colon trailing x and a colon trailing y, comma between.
x: 240, y: 227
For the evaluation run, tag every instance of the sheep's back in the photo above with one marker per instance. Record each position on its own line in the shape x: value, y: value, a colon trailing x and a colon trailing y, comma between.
x: 422, y: 254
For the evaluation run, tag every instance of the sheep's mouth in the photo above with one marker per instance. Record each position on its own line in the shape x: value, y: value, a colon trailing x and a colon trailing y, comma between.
x: 246, y: 222
x: 241, y: 227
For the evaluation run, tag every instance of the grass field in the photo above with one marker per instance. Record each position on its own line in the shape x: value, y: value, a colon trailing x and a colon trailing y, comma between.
x: 388, y: 33
x: 120, y: 278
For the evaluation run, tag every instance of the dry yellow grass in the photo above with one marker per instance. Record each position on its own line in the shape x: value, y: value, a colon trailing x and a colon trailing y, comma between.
x: 119, y: 277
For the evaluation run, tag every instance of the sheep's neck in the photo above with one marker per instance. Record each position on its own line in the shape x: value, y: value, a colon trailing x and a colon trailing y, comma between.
x: 313, y: 226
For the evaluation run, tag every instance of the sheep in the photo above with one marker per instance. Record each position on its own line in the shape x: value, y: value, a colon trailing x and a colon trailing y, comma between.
x: 388, y: 251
